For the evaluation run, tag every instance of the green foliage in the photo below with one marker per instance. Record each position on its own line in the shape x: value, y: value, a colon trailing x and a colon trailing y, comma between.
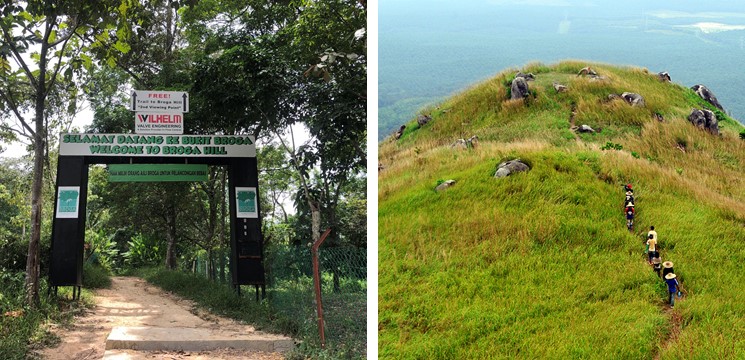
x: 95, y: 277
x: 23, y: 328
x: 289, y: 310
x: 143, y: 251
x: 742, y: 134
x: 635, y: 154
x: 611, y: 146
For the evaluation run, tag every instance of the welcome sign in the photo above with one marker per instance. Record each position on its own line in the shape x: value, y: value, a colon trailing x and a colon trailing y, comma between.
x: 157, y: 145
x: 68, y: 200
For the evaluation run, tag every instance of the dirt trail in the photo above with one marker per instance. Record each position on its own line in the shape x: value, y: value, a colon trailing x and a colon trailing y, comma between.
x: 676, y: 321
x: 133, y: 302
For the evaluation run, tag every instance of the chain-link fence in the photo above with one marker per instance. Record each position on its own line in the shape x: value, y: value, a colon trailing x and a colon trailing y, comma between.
x: 290, y: 292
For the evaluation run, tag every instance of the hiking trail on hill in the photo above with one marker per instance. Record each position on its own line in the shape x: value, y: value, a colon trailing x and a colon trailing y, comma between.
x: 133, y: 302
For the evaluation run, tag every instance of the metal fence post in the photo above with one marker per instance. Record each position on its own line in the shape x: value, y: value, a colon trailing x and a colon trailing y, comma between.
x: 317, y: 283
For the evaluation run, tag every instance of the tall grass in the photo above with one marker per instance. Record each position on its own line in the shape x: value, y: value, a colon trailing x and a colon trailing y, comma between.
x: 539, y: 264
x: 23, y: 329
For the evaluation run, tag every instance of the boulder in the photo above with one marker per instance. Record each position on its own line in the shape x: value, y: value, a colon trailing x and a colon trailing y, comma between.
x: 510, y: 167
x: 423, y: 119
x: 400, y: 132
x: 560, y: 88
x: 527, y: 77
x: 445, y: 185
x: 585, y: 129
x: 473, y: 141
x: 466, y: 143
x: 704, y: 119
x: 633, y: 99
x: 586, y: 71
x: 459, y: 144
x: 707, y: 95
x: 664, y: 76
x: 519, y: 88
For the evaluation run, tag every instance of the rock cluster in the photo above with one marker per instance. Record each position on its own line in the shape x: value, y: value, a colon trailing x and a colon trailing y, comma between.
x: 707, y: 95
x: 510, y: 167
x: 471, y: 142
x: 633, y: 99
x: 423, y: 119
x: 704, y: 119
x: 664, y: 76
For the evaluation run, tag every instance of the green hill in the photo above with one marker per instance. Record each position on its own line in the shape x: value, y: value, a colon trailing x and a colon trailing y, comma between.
x: 539, y: 264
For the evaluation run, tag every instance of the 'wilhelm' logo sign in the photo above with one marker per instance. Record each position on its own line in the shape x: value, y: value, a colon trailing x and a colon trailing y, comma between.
x: 159, y: 123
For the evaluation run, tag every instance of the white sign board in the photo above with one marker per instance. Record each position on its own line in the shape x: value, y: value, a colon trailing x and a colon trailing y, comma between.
x: 160, y: 101
x: 157, y: 145
x: 246, y: 203
x: 159, y: 123
x: 68, y: 201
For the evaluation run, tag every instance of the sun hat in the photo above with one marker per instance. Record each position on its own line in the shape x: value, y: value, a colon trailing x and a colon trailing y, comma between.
x: 630, y: 204
x: 656, y: 260
x: 670, y: 276
x: 668, y: 264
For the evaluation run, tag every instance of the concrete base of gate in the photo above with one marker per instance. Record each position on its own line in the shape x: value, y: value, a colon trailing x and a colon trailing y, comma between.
x: 192, y: 339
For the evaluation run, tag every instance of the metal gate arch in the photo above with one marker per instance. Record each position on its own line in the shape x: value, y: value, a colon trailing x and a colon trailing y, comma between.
x: 68, y: 234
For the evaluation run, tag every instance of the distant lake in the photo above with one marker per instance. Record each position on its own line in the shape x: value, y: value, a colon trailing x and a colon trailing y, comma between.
x: 431, y: 50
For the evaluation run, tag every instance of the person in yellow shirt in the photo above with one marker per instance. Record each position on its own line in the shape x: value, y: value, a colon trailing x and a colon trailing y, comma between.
x: 651, y: 248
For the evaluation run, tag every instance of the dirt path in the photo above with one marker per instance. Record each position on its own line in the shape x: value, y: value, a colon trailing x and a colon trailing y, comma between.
x: 134, y: 302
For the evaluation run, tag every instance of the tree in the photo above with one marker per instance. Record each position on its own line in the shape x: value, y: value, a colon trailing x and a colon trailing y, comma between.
x: 52, y: 34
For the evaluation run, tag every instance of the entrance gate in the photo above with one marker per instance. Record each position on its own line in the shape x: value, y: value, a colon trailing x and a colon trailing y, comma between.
x: 78, y: 151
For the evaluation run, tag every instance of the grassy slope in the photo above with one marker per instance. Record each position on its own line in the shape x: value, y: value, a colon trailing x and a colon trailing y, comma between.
x: 539, y: 264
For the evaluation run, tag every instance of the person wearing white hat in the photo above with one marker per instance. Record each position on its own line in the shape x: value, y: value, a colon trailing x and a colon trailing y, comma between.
x: 672, y: 287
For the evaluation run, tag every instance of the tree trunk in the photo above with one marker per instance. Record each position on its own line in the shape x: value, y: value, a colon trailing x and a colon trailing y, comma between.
x: 171, y: 237
x: 315, y: 215
x: 32, y: 261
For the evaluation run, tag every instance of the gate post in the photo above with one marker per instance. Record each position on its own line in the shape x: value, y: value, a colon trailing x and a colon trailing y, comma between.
x: 68, y: 226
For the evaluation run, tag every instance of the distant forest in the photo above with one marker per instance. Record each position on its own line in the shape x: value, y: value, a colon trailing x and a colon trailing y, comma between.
x: 429, y: 51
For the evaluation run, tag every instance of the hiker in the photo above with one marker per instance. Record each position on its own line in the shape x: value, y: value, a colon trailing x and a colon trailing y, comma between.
x: 657, y: 265
x: 629, y: 215
x: 628, y: 189
x: 652, y: 233
x: 672, y: 287
x: 652, y: 248
x: 667, y: 268
x: 629, y: 198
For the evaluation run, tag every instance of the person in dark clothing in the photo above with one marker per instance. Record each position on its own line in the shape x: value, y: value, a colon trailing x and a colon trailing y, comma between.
x: 667, y: 268
x: 672, y: 287
x: 629, y: 215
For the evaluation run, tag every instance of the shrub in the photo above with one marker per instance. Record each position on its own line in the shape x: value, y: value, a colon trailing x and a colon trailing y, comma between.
x: 742, y: 134
x: 611, y: 146
x: 95, y: 277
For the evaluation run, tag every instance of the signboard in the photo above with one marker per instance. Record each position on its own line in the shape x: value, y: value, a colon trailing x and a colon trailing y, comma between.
x: 159, y: 123
x: 246, y: 201
x: 157, y: 145
x: 157, y: 172
x: 160, y: 101
x: 68, y: 199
